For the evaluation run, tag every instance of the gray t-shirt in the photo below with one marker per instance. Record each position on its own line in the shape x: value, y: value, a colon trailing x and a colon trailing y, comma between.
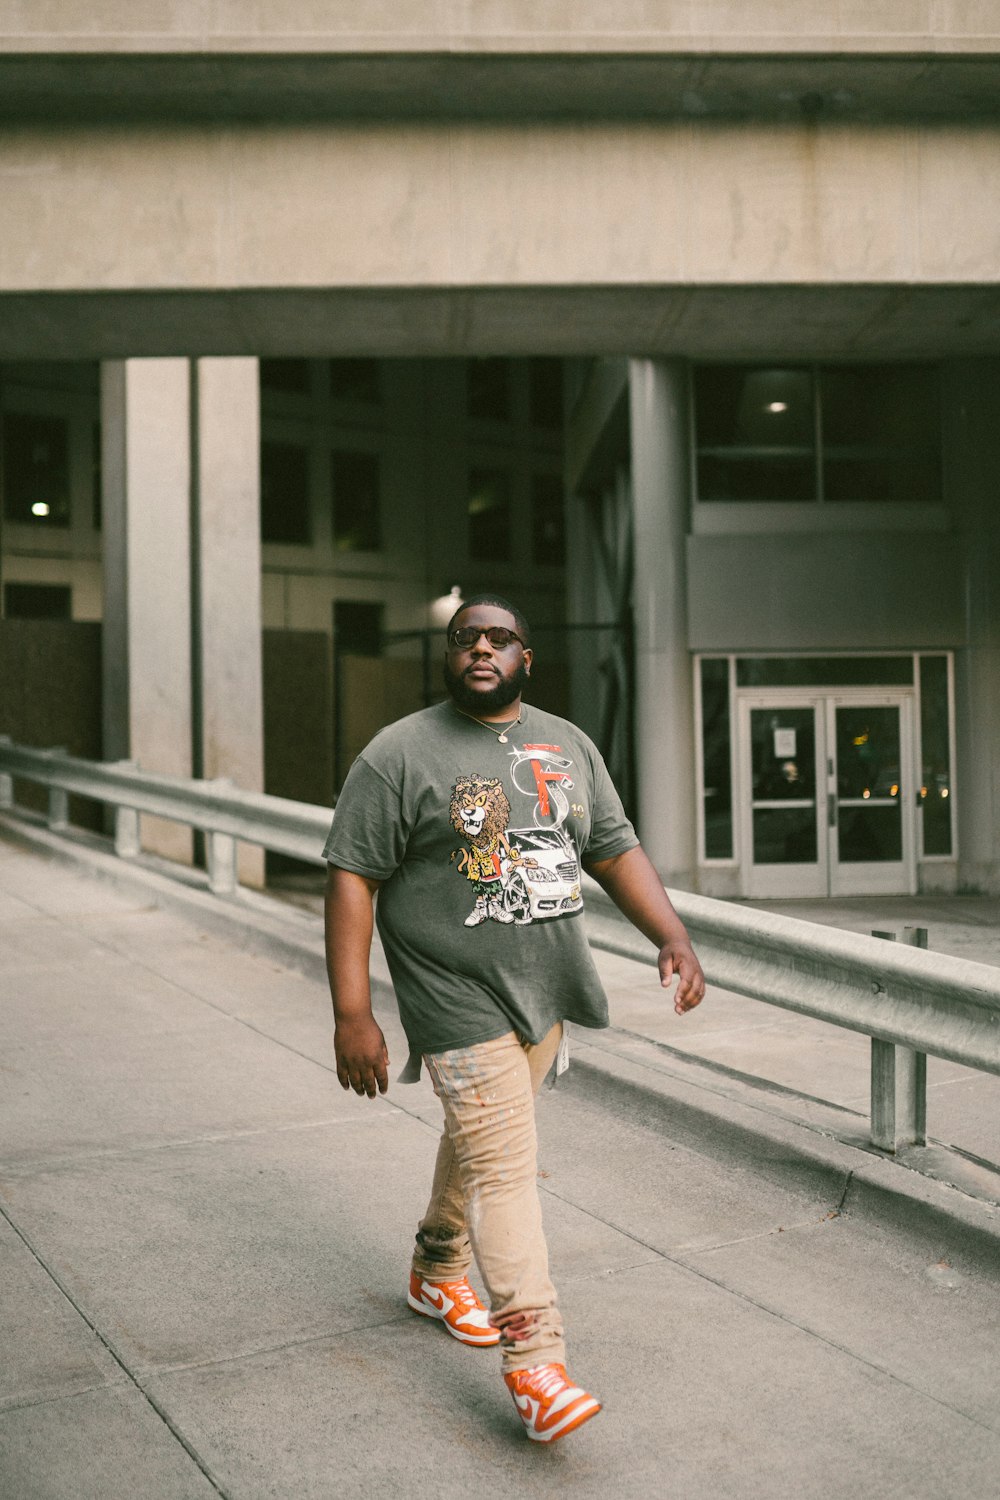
x: 479, y: 845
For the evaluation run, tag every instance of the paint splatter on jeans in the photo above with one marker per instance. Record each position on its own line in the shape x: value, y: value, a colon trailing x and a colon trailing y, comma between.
x: 484, y: 1199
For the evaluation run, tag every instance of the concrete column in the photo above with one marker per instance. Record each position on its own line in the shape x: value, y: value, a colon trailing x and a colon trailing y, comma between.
x: 147, y: 613
x: 228, y: 697
x: 972, y: 397
x: 664, y: 688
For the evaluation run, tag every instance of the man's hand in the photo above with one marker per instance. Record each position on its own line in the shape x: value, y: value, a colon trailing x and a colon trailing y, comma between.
x: 634, y: 886
x: 362, y: 1056
x: 679, y: 958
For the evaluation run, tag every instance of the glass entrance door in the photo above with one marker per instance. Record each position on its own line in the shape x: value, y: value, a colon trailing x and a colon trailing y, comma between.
x: 827, y: 794
x: 784, y: 834
x: 872, y: 798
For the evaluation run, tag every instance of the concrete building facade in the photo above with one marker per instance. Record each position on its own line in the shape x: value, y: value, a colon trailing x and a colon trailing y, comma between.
x: 762, y: 238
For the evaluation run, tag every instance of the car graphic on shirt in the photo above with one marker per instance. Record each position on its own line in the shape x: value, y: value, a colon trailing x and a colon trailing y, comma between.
x: 542, y: 878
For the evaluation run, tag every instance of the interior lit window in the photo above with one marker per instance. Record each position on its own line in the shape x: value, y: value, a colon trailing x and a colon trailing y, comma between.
x: 868, y: 433
x: 36, y: 469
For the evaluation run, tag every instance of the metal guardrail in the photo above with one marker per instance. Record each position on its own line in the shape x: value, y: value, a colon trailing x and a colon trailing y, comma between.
x: 909, y: 1002
x: 223, y: 812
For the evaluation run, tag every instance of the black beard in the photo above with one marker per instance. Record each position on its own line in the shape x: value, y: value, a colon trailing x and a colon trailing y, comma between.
x: 477, y: 702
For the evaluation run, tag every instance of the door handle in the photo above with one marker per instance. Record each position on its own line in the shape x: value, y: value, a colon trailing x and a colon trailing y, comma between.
x: 831, y: 809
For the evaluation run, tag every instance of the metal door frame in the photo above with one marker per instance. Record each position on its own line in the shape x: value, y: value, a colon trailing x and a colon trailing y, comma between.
x: 823, y: 879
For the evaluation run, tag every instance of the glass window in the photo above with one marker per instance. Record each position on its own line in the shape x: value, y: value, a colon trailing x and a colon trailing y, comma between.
x: 716, y: 761
x: 355, y: 380
x: 489, y: 515
x: 935, y: 785
x: 548, y: 527
x: 37, y: 601
x: 284, y: 494
x: 488, y: 392
x: 357, y: 627
x: 545, y: 393
x: 36, y: 469
x: 881, y: 427
x: 755, y: 433
x: 290, y: 376
x: 823, y: 671
x: 356, y: 502
x: 836, y: 433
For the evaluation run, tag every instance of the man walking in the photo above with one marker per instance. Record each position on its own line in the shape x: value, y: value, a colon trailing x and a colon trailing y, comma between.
x: 471, y: 821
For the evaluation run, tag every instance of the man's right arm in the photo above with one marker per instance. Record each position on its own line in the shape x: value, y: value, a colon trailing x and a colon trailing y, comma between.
x: 362, y: 1057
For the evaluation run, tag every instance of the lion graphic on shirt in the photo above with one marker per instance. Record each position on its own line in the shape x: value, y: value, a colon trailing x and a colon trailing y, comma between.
x: 480, y: 812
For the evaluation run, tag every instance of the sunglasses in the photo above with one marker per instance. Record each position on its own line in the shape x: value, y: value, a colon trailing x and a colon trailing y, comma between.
x: 469, y: 635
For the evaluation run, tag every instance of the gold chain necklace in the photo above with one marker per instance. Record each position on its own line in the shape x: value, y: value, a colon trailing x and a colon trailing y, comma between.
x: 501, y: 736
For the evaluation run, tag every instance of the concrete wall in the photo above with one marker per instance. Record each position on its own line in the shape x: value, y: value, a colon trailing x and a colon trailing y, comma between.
x: 869, y: 591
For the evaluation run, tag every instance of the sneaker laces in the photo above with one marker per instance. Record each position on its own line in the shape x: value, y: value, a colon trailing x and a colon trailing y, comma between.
x: 461, y: 1293
x: 548, y: 1380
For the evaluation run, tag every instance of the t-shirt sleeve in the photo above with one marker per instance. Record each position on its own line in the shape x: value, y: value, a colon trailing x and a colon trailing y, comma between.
x: 611, y: 832
x: 368, y: 835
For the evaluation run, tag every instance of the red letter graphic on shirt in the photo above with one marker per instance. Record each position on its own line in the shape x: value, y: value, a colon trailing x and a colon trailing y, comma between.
x: 543, y: 777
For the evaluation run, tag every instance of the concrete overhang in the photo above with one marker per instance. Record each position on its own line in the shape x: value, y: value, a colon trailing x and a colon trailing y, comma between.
x: 698, y: 84
x: 844, y: 322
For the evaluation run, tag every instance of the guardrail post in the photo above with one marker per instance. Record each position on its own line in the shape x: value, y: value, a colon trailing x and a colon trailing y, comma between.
x: 6, y: 781
x: 58, y: 814
x: 899, y: 1080
x: 127, y: 844
x: 220, y: 852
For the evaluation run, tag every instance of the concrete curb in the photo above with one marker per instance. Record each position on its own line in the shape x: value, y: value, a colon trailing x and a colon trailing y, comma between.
x: 946, y: 1189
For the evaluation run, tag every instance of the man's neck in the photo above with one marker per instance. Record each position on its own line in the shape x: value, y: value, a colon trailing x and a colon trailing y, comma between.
x: 506, y: 715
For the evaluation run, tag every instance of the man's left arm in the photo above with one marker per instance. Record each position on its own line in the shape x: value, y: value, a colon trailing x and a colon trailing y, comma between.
x: 634, y: 886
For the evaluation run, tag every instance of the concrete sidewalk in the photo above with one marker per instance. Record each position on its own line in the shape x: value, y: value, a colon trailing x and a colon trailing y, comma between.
x: 203, y: 1248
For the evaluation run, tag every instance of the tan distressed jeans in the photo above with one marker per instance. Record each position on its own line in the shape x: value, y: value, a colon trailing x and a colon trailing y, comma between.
x: 484, y: 1200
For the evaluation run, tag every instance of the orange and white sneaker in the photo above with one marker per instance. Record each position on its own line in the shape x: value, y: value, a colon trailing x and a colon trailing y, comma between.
x: 550, y: 1405
x: 455, y: 1304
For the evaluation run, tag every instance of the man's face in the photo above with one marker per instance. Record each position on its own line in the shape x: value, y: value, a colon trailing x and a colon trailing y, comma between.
x: 483, y: 678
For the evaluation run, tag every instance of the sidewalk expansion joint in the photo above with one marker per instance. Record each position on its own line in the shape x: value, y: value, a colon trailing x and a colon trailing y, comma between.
x: 685, y: 1265
x: 158, y: 1410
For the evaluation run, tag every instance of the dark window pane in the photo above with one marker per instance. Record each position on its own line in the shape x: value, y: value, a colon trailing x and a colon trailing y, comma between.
x: 355, y: 380
x: 759, y: 408
x: 288, y: 375
x: 489, y: 515
x: 36, y: 469
x: 755, y: 477
x: 888, y: 478
x: 284, y: 494
x: 96, y: 476
x: 716, y: 765
x: 784, y: 836
x: 356, y: 507
x: 783, y: 754
x: 881, y: 433
x: 357, y: 627
x: 545, y: 393
x: 823, y: 671
x: 37, y: 601
x: 894, y: 406
x: 548, y: 530
x: 488, y: 389
x: 869, y: 835
x: 935, y: 785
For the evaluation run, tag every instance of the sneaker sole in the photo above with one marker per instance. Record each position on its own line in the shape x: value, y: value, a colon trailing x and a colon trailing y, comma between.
x: 577, y: 1420
x: 488, y: 1340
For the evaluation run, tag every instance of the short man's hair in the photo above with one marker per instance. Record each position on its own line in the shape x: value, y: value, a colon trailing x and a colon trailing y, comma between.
x: 521, y: 623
